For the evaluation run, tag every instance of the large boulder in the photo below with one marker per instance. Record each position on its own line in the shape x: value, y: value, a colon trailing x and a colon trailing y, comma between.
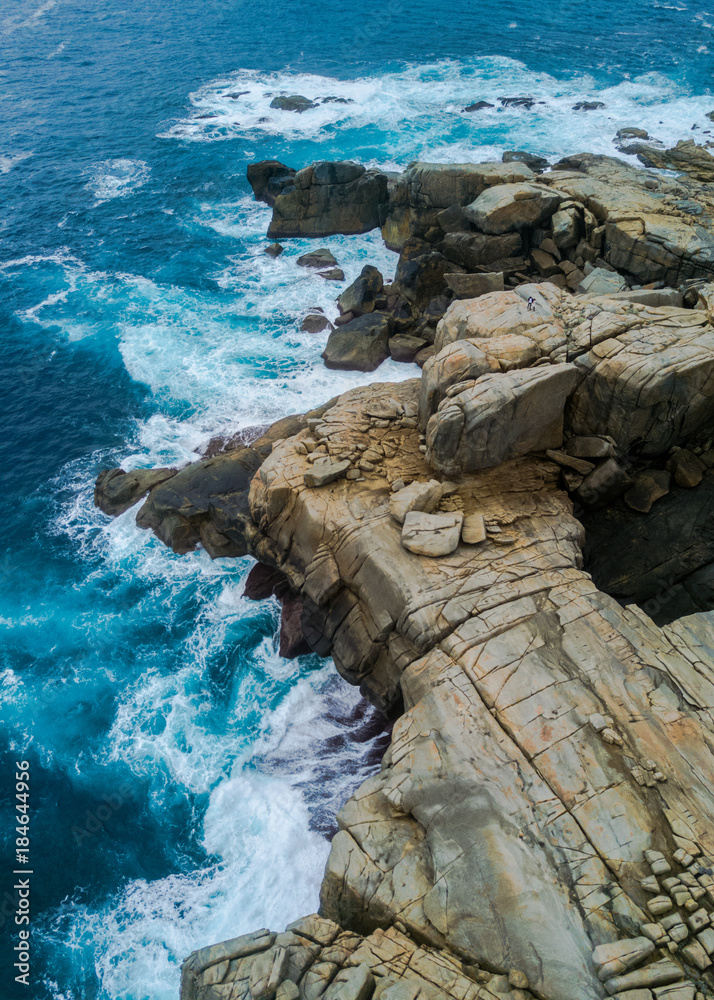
x: 361, y: 296
x: 330, y: 198
x: 420, y: 274
x: 360, y: 345
x: 426, y: 189
x: 509, y: 208
x: 498, y: 417
x: 474, y: 250
x: 268, y: 178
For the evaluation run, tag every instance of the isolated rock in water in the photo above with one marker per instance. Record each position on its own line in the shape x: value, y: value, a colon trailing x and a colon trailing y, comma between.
x: 274, y: 250
x: 360, y: 297
x: 602, y: 282
x: 116, y: 491
x: 315, y: 323
x: 360, y: 345
x: 268, y: 178
x: 470, y: 286
x: 295, y: 102
x: 333, y: 274
x: 588, y: 105
x: 510, y: 207
x: 432, y: 534
x: 500, y: 417
x: 531, y: 160
x: 426, y: 189
x: 479, y: 106
x: 330, y: 198
x: 317, y: 258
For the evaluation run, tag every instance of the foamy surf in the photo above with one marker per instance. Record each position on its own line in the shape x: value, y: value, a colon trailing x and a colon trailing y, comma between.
x: 418, y: 112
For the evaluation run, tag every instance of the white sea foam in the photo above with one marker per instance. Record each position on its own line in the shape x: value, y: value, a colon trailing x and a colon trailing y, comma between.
x: 116, y: 178
x: 417, y: 112
x: 9, y: 160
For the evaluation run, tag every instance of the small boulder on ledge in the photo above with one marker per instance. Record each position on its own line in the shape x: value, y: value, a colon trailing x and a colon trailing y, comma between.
x: 323, y: 257
x: 423, y: 497
x: 326, y: 472
x: 432, y: 534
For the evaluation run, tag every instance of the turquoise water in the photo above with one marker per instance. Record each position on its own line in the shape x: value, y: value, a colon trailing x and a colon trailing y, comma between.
x: 184, y: 777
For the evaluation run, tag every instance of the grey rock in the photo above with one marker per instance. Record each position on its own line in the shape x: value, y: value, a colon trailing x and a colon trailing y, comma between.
x: 293, y: 102
x: 658, y: 974
x: 470, y: 286
x: 116, y: 491
x: 405, y: 348
x: 617, y: 957
x: 602, y: 282
x: 511, y: 207
x: 361, y: 344
x: 360, y: 297
x: 503, y: 415
x: 268, y: 178
x: 317, y: 258
x: 330, y: 198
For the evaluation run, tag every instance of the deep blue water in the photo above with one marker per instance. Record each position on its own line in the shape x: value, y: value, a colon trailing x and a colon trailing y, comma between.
x: 183, y: 776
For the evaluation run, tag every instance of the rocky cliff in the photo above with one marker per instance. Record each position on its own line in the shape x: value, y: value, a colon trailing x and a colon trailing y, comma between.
x: 542, y: 821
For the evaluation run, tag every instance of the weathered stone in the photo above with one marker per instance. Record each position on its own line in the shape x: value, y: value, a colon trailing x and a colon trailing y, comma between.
x: 293, y: 102
x: 361, y: 296
x: 569, y: 461
x: 321, y: 475
x: 405, y: 348
x: 317, y: 258
x: 473, y: 529
x: 360, y: 345
x: 510, y: 207
x: 267, y: 179
x: 315, y: 323
x: 503, y: 415
x: 351, y: 984
x: 469, y: 286
x: 274, y: 250
x: 116, y: 491
x: 647, y: 487
x: 431, y: 534
x: 531, y: 160
x: 425, y: 189
x: 424, y: 497
x: 617, y: 957
x: 329, y: 198
x: 589, y: 447
x: 476, y: 250
x: 658, y: 974
x: 686, y: 468
x: 602, y: 282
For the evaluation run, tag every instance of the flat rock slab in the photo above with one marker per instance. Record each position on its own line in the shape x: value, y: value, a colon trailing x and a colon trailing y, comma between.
x: 326, y: 472
x: 431, y: 534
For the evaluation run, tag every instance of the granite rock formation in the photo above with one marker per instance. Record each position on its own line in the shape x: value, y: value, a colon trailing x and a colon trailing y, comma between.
x: 543, y: 821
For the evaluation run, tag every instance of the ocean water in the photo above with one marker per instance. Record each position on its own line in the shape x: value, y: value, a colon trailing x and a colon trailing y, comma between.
x: 184, y: 778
